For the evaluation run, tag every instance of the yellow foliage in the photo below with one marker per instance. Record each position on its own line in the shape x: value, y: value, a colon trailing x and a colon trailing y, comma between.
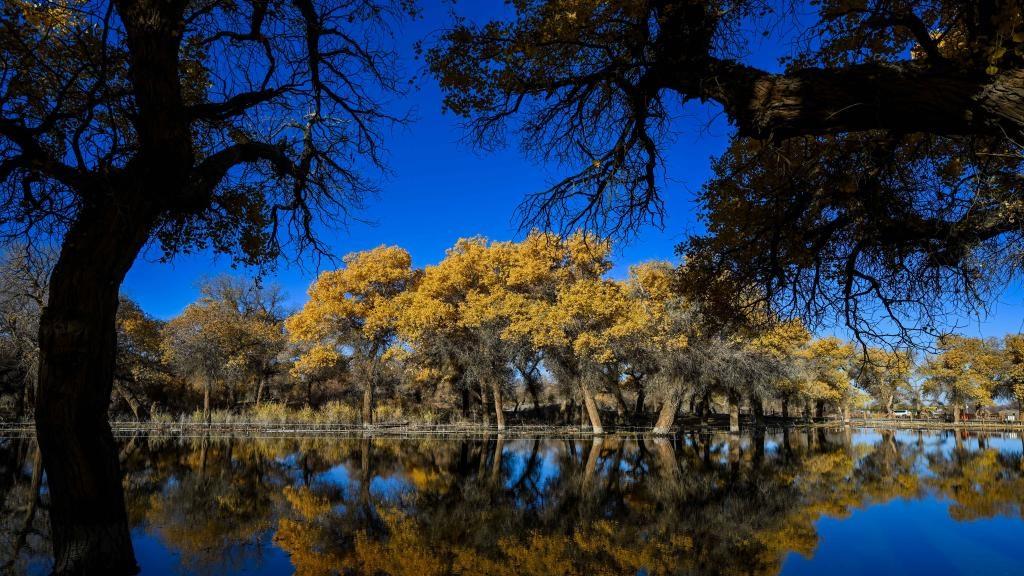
x: 353, y: 306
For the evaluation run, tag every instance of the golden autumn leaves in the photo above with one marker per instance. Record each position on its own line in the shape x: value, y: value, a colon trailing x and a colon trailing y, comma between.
x: 546, y: 293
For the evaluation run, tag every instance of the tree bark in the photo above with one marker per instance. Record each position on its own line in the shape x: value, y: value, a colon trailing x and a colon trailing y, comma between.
x: 667, y: 415
x: 206, y: 399
x: 956, y: 412
x: 485, y: 414
x: 621, y: 407
x: 139, y: 412
x: 756, y: 409
x: 368, y: 403
x: 467, y: 398
x: 531, y: 387
x: 641, y: 399
x: 734, y: 414
x: 78, y: 342
x: 785, y: 407
x: 591, y: 406
x: 499, y: 409
x: 259, y: 389
x: 873, y: 96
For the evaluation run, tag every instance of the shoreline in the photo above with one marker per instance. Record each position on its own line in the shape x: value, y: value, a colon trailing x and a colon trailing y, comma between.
x: 407, y: 430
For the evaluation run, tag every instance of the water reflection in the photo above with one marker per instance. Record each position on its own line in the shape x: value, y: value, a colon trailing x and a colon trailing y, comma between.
x: 697, y: 504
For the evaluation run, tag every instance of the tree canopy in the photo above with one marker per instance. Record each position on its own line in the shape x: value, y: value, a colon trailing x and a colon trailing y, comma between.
x: 874, y: 168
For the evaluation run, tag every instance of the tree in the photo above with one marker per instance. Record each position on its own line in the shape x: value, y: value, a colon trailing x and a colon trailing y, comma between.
x: 24, y: 283
x: 826, y: 364
x: 140, y: 375
x: 782, y: 343
x: 655, y: 336
x: 233, y: 126
x: 231, y: 337
x: 885, y: 375
x: 962, y: 372
x: 875, y: 169
x: 551, y: 283
x: 1012, y: 380
x: 197, y: 346
x: 352, y: 312
x: 454, y: 313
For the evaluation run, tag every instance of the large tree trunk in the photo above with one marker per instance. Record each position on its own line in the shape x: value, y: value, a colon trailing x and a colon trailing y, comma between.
x: 785, y: 406
x: 956, y: 412
x: 757, y: 409
x: 591, y: 406
x: 485, y: 413
x: 734, y: 413
x: 77, y: 341
x: 667, y: 415
x: 621, y: 407
x: 368, y: 403
x: 641, y: 399
x: 139, y: 412
x: 206, y: 399
x: 531, y: 387
x: 467, y: 399
x: 259, y: 389
x: 872, y: 96
x: 499, y: 409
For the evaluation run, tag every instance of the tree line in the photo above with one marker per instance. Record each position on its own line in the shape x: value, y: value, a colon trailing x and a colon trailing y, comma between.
x: 535, y: 329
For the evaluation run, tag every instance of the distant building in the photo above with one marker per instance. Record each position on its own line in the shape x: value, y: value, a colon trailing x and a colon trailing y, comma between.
x: 1009, y: 415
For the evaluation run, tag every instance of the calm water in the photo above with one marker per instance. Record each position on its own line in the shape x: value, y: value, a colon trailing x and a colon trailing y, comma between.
x: 803, y: 502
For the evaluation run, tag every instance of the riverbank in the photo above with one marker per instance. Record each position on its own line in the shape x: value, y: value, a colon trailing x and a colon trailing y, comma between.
x: 408, y: 429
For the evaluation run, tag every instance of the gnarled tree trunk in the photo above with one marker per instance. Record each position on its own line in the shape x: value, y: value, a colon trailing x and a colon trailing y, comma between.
x: 593, y: 413
x: 77, y: 340
x: 667, y: 415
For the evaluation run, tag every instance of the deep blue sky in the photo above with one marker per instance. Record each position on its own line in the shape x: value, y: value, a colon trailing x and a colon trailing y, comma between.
x: 440, y: 190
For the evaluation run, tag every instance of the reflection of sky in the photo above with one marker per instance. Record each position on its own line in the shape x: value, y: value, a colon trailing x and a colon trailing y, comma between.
x: 387, y: 487
x: 262, y: 557
x: 911, y: 537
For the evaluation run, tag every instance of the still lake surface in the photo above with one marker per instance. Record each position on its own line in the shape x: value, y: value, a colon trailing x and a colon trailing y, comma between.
x: 834, y: 502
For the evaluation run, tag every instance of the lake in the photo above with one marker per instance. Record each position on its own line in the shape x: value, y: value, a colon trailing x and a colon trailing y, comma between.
x: 836, y: 502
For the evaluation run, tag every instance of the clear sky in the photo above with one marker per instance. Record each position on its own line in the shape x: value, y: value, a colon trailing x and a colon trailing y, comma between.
x: 439, y: 190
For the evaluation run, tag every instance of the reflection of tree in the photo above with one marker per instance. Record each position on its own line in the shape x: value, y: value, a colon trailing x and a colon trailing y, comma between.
x: 693, y: 504
x: 213, y: 508
x: 615, y: 506
x: 23, y: 509
x: 979, y: 484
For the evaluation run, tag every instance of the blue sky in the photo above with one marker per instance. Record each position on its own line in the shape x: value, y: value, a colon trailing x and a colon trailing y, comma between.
x: 440, y: 190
